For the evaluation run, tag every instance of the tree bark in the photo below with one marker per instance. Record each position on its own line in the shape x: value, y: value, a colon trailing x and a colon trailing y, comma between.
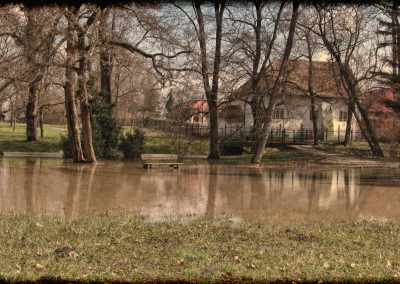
x: 83, y: 95
x: 41, y: 122
x: 32, y: 110
x: 106, y: 59
x: 278, y: 86
x: 69, y: 93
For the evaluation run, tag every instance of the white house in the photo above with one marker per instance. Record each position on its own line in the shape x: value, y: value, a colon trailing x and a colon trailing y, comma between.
x: 293, y: 110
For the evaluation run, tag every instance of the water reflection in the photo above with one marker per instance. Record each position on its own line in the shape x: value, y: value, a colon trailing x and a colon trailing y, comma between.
x: 55, y: 187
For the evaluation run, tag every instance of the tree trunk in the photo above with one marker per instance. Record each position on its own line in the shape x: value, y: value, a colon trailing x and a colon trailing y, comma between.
x: 314, y: 120
x: 370, y: 135
x: 41, y: 122
x: 83, y: 96
x: 350, y: 111
x: 278, y: 86
x: 32, y: 110
x: 311, y: 88
x: 211, y: 91
x: 12, y: 113
x: 69, y: 93
x: 87, y: 132
x: 258, y: 117
x: 214, y: 146
x: 105, y: 59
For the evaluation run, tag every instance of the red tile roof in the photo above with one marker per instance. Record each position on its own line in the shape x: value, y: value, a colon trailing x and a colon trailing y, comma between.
x: 372, y: 100
x: 325, y: 79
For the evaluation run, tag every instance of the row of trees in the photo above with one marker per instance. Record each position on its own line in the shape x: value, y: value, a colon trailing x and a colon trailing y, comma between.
x: 91, y: 53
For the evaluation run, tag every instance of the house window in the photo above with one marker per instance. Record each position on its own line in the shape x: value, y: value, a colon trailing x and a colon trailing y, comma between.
x: 279, y: 113
x: 342, y: 115
x: 316, y: 114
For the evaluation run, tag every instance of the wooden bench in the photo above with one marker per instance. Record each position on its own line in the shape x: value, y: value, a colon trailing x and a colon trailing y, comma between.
x: 149, y: 160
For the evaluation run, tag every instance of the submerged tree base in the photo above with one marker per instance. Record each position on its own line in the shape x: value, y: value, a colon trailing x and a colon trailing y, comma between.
x: 124, y: 248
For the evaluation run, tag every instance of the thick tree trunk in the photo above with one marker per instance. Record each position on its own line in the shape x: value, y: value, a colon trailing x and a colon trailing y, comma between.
x: 83, y: 95
x: 257, y: 156
x: 278, y: 86
x: 41, y: 122
x: 105, y: 59
x: 105, y: 76
x: 214, y: 145
x: 211, y: 91
x: 87, y: 132
x: 258, y: 117
x: 70, y: 99
x: 32, y: 110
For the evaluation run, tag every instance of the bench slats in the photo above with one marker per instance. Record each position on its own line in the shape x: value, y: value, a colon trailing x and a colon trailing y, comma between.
x: 159, y: 157
x: 171, y: 158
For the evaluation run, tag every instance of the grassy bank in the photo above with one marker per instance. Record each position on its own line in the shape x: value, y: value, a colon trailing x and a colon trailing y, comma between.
x: 156, y: 142
x: 15, y: 140
x: 123, y: 248
x: 355, y: 149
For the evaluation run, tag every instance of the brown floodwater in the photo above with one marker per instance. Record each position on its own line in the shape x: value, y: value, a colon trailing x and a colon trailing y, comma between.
x: 59, y: 188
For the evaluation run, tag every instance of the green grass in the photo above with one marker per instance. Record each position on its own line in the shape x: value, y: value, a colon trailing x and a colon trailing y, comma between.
x: 156, y: 141
x: 355, y: 148
x: 15, y: 141
x: 282, y: 157
x: 119, y: 247
x: 163, y: 143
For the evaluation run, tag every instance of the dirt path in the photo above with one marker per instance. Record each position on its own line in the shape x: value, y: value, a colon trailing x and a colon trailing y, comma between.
x: 341, y: 160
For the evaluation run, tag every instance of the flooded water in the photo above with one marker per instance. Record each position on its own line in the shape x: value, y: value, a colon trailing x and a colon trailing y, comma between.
x: 55, y: 187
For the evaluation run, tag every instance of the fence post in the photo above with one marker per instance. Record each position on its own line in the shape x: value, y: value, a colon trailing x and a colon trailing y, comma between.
x: 283, y: 136
x: 338, y: 133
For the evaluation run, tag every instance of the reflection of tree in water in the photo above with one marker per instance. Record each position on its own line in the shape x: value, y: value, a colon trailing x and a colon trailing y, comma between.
x: 80, y: 183
x: 212, y: 188
x: 29, y: 178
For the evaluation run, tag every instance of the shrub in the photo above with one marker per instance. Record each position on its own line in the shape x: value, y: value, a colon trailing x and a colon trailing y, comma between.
x: 132, y: 144
x: 106, y: 131
x: 66, y: 146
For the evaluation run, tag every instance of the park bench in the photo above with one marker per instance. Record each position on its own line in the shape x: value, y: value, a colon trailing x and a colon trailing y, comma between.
x: 150, y: 160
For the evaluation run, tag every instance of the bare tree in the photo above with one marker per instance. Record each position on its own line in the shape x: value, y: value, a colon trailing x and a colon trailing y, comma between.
x: 278, y: 86
x: 311, y: 47
x: 254, y: 41
x: 342, y: 38
x: 71, y: 106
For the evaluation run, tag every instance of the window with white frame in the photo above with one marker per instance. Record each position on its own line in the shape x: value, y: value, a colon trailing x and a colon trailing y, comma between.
x: 279, y: 113
x: 316, y: 114
x: 342, y: 115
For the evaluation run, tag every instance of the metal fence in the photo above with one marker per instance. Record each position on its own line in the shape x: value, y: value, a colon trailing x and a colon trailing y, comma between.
x: 289, y: 135
x: 238, y: 134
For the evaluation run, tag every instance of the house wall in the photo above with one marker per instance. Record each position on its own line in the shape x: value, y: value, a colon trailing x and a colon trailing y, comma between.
x: 297, y: 116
